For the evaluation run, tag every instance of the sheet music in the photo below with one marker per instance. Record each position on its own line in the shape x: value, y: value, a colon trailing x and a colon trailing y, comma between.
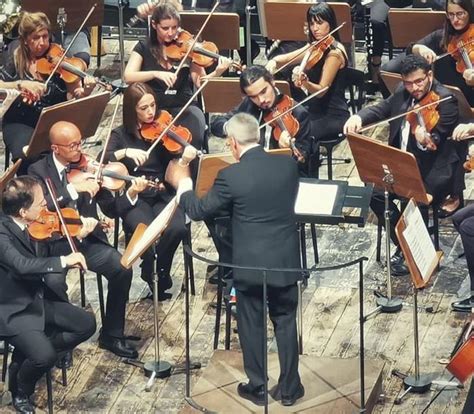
x: 156, y: 227
x: 418, y: 240
x: 315, y: 199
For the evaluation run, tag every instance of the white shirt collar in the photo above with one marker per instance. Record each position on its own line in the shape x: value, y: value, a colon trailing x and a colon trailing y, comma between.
x: 21, y: 225
x: 59, y: 167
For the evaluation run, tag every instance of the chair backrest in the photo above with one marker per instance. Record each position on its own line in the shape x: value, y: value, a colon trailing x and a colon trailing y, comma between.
x: 407, y: 26
x: 391, y: 80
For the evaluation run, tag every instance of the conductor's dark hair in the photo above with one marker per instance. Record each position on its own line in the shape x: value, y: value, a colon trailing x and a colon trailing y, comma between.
x: 253, y: 74
x: 18, y: 194
x: 411, y: 63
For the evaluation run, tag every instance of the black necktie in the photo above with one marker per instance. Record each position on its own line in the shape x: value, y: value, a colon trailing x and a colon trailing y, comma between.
x: 64, y: 178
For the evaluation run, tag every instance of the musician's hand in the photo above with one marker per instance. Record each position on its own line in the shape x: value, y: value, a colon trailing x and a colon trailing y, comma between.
x: 271, y: 66
x: 87, y: 186
x: 75, y: 260
x: 463, y: 131
x: 353, y: 124
x: 89, y: 85
x: 422, y: 137
x: 88, y: 226
x: 137, y: 155
x: 139, y: 184
x: 189, y: 154
x: 145, y: 9
x: 425, y: 52
x: 299, y: 78
x: 31, y: 91
x: 468, y: 75
x: 176, y: 172
x: 222, y: 65
x: 168, y: 78
x: 285, y: 140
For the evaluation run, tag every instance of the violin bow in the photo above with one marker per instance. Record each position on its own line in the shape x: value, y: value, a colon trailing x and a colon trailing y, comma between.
x: 313, y: 95
x: 443, y: 55
x: 309, y: 47
x: 163, y: 133
x: 193, y: 43
x: 393, y: 118
x: 52, y: 193
x: 70, y: 44
x: 98, y: 173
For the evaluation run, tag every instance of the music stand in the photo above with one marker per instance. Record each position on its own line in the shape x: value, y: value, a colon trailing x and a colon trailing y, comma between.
x: 466, y: 112
x: 86, y: 113
x: 9, y: 174
x: 75, y: 11
x: 221, y: 95
x: 223, y: 28
x: 143, y: 238
x: 396, y: 172
x: 391, y: 80
x: 415, y: 383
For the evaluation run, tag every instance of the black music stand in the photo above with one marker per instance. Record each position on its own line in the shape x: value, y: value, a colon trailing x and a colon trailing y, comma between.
x: 396, y: 172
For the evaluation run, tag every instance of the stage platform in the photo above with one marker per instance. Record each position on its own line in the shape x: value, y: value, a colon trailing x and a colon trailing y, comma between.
x: 331, y: 385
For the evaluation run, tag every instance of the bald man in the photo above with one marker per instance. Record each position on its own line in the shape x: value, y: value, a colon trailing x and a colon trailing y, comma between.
x: 101, y: 257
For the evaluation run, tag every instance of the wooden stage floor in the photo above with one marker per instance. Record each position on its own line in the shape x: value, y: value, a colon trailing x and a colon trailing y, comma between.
x: 100, y: 382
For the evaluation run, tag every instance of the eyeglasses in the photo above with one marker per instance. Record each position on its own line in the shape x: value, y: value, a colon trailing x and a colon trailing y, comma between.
x: 417, y: 82
x: 459, y: 15
x: 73, y: 146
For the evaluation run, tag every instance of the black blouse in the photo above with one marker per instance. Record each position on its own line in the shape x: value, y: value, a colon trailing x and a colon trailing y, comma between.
x: 182, y: 90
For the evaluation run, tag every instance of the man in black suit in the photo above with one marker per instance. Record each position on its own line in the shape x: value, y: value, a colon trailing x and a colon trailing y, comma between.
x: 437, y: 157
x: 101, y: 257
x: 35, y: 316
x: 260, y: 192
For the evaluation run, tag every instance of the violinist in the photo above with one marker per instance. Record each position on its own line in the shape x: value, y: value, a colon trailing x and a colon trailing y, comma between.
x: 328, y: 111
x: 102, y: 258
x: 21, y: 118
x: 129, y: 147
x: 35, y: 316
x: 149, y: 63
x: 437, y: 157
x: 261, y: 96
x: 452, y: 69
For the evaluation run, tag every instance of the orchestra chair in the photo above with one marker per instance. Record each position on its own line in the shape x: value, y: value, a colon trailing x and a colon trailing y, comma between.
x: 49, y: 382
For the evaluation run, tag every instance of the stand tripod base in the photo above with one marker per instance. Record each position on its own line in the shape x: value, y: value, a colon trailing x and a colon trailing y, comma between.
x: 158, y: 369
x: 391, y: 305
x: 416, y: 385
x: 119, y: 84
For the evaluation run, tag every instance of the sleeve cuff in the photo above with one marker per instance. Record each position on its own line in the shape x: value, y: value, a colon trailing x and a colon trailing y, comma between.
x: 185, y: 185
x: 72, y: 192
x: 132, y: 202
x: 63, y: 262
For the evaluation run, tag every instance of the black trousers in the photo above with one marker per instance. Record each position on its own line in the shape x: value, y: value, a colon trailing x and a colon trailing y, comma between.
x: 282, y: 304
x: 145, y: 211
x: 105, y: 260
x: 66, y: 326
x: 469, y: 404
x: 463, y: 220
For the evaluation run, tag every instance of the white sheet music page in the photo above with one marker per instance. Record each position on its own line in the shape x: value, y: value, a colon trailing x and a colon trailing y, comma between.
x: 418, y: 240
x: 315, y: 199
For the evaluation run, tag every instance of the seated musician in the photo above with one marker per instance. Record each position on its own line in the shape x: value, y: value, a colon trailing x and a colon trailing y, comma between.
x: 438, y: 163
x: 129, y: 147
x: 102, y: 258
x: 20, y: 120
x: 261, y: 96
x: 464, y: 223
x: 35, y: 317
x: 149, y: 63
x: 328, y: 111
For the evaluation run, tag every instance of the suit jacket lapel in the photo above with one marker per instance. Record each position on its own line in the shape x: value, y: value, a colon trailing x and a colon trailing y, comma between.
x: 16, y: 231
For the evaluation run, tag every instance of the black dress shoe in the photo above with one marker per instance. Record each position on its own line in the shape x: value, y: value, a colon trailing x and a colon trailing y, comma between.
x: 254, y: 394
x: 118, y: 346
x: 464, y: 305
x: 65, y: 361
x: 290, y: 400
x: 397, y: 264
x: 22, y: 404
x: 162, y: 296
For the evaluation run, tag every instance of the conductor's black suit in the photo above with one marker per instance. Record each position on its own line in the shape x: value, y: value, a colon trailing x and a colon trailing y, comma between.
x: 260, y: 193
x: 35, y: 316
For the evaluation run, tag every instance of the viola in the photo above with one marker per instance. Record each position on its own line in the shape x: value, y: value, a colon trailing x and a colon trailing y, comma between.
x: 461, y: 364
x: 461, y: 48
x: 281, y: 119
x: 203, y: 53
x: 48, y: 223
x: 318, y: 51
x: 113, y: 175
x: 175, y: 139
x: 427, y: 117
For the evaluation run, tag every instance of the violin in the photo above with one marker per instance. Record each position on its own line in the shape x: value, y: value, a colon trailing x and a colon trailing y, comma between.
x: 317, y: 52
x: 176, y: 138
x: 48, y: 223
x: 281, y: 119
x: 427, y: 117
x: 461, y: 48
x: 112, y: 175
x: 203, y: 54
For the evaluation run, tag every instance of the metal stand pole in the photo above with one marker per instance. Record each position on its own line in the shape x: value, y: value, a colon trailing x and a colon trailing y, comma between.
x: 248, y: 32
x: 156, y: 368
x: 120, y: 83
x: 361, y: 339
x: 300, y: 317
x: 265, y: 340
x: 61, y: 19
